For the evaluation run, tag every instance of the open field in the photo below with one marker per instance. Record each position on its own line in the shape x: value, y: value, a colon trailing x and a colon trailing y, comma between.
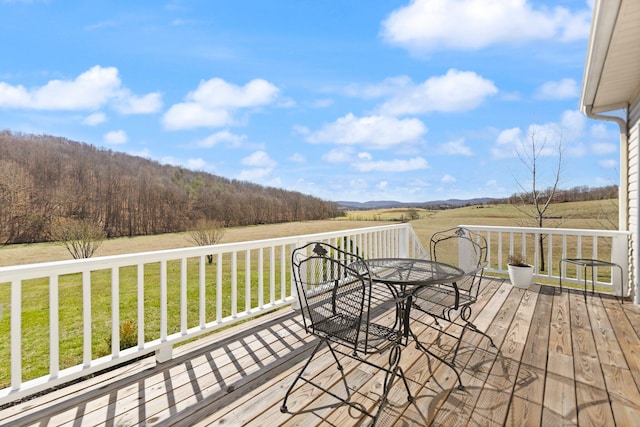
x: 43, y: 252
x: 600, y: 214
x: 35, y: 343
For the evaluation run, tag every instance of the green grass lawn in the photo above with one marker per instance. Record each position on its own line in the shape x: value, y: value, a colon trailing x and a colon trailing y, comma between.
x: 35, y: 309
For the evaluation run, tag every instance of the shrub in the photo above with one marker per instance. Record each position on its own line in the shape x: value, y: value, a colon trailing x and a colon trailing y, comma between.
x: 128, y: 335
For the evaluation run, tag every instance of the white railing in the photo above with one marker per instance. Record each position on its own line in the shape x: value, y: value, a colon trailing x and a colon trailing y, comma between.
x: 166, y: 297
x: 56, y: 315
x: 559, y: 243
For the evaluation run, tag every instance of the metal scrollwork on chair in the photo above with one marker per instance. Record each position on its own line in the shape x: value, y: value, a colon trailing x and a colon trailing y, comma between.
x: 467, y: 250
x: 338, y: 307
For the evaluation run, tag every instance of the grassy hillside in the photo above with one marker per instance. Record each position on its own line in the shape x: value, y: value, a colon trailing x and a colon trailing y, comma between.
x: 591, y: 215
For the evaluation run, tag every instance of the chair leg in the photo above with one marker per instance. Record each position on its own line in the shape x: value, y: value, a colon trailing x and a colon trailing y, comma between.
x: 394, y: 370
x: 421, y: 346
x: 560, y: 273
x: 283, y: 408
x: 473, y: 328
x: 466, y: 315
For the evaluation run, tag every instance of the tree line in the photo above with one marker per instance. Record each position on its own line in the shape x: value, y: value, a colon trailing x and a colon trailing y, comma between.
x: 46, y: 179
x: 576, y: 194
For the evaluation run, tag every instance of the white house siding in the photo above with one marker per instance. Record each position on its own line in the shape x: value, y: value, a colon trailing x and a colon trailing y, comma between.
x: 633, y: 174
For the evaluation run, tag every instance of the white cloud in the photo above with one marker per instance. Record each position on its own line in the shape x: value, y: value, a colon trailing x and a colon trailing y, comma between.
x: 322, y: 103
x: 216, y: 93
x: 456, y: 147
x: 339, y: 155
x: 131, y: 104
x: 388, y: 87
x: 508, y: 136
x: 608, y: 164
x: 256, y: 174
x: 382, y: 185
x: 396, y: 165
x: 145, y: 152
x: 192, y: 115
x: 603, y: 148
x: 562, y: 89
x: 221, y: 137
x: 91, y: 90
x: 196, y: 164
x: 298, y: 158
x: 428, y: 25
x: 285, y: 102
x: 370, y: 131
x: 549, y: 137
x: 573, y: 124
x: 301, y: 130
x: 116, y: 137
x: 214, y: 101
x: 358, y: 184
x: 448, y: 179
x: 193, y: 163
x: 259, y: 159
x: 454, y: 91
x: 94, y: 119
x: 603, y: 132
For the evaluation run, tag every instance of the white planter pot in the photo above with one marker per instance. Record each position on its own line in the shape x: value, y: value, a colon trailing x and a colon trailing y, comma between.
x: 521, y: 277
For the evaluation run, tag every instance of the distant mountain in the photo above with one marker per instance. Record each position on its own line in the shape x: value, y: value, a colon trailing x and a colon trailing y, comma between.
x: 387, y: 204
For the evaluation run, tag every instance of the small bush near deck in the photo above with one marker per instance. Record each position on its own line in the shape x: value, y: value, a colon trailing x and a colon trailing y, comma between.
x: 128, y: 335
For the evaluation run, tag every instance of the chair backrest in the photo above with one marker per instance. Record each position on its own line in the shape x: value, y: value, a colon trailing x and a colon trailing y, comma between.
x: 465, y: 249
x: 334, y: 291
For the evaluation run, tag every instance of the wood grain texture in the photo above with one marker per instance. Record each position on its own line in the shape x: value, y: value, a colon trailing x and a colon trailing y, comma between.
x: 560, y: 360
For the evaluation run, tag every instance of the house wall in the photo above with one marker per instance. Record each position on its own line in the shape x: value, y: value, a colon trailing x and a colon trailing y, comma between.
x: 633, y: 191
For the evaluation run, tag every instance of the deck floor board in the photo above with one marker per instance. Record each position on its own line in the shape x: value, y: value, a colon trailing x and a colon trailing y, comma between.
x: 560, y: 359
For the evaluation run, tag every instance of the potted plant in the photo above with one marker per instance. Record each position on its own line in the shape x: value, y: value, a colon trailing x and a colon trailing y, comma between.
x: 520, y: 273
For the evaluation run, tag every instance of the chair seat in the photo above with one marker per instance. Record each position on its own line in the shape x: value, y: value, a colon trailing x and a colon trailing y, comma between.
x: 341, y: 327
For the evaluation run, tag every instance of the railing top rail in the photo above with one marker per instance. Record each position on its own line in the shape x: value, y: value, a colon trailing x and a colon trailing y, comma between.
x: 571, y: 231
x: 36, y: 270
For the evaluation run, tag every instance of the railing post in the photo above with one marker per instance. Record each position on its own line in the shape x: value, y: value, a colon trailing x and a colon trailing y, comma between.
x: 54, y: 327
x: 619, y: 255
x: 16, y: 334
x: 295, y: 304
x: 465, y: 258
x: 403, y: 242
x: 164, y: 353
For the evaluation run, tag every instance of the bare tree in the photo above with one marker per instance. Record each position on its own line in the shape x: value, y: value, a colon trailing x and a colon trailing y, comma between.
x: 207, y: 232
x: 81, y: 237
x: 536, y: 198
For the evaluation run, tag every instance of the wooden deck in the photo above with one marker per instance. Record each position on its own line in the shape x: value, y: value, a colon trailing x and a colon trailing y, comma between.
x: 560, y: 360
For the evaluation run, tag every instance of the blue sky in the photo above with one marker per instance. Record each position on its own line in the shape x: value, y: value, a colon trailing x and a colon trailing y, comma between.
x: 411, y: 100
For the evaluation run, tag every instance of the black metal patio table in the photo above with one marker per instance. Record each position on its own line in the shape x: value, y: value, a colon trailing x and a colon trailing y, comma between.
x: 404, y: 276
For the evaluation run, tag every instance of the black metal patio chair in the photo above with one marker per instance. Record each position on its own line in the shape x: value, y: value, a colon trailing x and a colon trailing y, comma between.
x: 467, y: 250
x: 349, y: 314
